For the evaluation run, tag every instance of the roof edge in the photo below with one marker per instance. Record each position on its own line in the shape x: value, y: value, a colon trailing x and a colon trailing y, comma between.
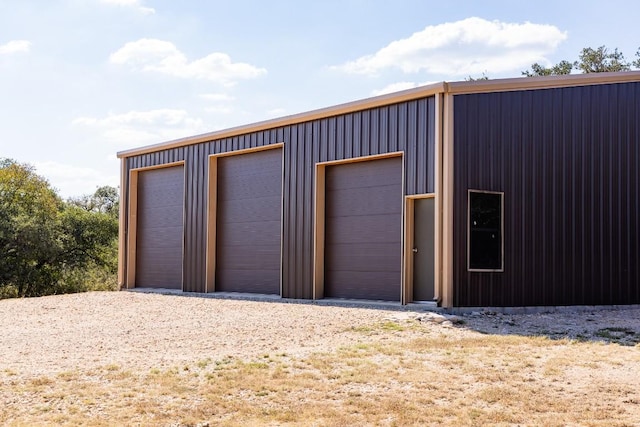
x: 545, y: 82
x: 349, y: 107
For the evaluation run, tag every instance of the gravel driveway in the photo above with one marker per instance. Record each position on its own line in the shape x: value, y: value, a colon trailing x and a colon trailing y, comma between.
x: 146, y: 330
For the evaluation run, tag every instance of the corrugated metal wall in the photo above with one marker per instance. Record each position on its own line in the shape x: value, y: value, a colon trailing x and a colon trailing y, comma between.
x: 406, y: 126
x: 568, y: 161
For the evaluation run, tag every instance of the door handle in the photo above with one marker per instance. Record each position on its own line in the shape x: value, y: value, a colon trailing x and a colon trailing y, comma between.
x: 415, y: 250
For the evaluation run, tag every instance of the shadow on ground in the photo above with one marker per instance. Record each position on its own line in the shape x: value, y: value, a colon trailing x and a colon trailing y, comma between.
x: 619, y: 325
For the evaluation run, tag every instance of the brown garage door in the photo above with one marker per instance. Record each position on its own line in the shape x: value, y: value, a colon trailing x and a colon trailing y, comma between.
x: 249, y: 211
x: 160, y: 228
x: 363, y: 220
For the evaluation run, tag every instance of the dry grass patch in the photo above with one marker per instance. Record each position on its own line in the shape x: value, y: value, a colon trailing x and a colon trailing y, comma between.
x: 394, y: 373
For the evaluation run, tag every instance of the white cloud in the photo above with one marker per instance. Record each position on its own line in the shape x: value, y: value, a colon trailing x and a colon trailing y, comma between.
x: 131, y: 3
x: 72, y: 180
x: 163, y: 57
x: 15, y: 46
x: 470, y: 46
x: 397, y: 87
x: 144, y: 127
x: 219, y: 109
x: 394, y: 87
x: 217, y: 97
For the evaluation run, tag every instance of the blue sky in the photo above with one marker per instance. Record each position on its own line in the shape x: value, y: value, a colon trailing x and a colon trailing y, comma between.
x: 83, y: 79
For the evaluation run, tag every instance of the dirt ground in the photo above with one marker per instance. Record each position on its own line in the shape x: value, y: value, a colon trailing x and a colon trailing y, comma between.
x: 49, y: 334
x: 50, y: 337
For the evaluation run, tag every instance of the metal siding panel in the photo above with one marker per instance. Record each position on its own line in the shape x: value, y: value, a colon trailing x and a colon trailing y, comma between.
x: 331, y: 149
x: 392, y: 128
x: 566, y: 160
x: 411, y: 147
x: 303, y: 291
x: 357, y: 134
x: 348, y: 136
x: 188, y: 260
x: 422, y: 148
x: 199, y: 192
x: 384, y: 129
x: 366, y: 133
x: 402, y: 126
x: 316, y: 137
x: 288, y: 212
x: 300, y: 204
x: 323, y: 147
x: 294, y: 246
x: 374, y: 131
x: 430, y: 166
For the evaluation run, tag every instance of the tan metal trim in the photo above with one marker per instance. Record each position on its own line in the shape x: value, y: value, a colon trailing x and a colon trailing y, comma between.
x: 446, y: 200
x: 407, y: 260
x: 184, y: 222
x: 318, y: 232
x: 403, y: 256
x: 546, y: 82
x: 361, y: 159
x: 162, y: 166
x: 485, y: 270
x: 405, y: 95
x: 437, y: 262
x: 212, y: 198
x: 409, y: 228
x: 212, y: 210
x: 282, y: 221
x: 132, y: 218
x: 122, y: 235
x: 248, y: 150
x: 319, y: 219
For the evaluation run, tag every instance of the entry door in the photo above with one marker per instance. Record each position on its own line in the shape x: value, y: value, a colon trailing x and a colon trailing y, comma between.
x: 423, y: 249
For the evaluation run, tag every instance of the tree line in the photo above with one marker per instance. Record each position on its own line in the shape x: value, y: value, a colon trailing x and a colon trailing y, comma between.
x: 49, y: 245
x: 590, y: 60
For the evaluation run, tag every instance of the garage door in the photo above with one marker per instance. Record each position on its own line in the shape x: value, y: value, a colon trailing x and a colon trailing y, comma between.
x: 363, y: 221
x: 160, y: 228
x: 249, y: 211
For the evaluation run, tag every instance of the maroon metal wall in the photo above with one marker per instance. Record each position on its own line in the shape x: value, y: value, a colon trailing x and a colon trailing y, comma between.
x: 568, y: 163
x: 406, y: 126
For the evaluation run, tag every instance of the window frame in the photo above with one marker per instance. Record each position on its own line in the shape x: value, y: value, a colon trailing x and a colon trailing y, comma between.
x: 485, y: 270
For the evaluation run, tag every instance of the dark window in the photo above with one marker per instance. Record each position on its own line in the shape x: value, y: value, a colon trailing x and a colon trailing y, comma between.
x: 485, y: 231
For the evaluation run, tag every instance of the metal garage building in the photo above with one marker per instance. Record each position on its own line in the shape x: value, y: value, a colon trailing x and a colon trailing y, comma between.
x: 515, y: 192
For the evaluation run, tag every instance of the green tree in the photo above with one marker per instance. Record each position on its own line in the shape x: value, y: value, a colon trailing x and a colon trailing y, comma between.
x: 601, y: 60
x: 45, y: 242
x: 104, y: 200
x: 28, y: 229
x: 474, y: 79
x: 562, y: 67
x: 589, y: 61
